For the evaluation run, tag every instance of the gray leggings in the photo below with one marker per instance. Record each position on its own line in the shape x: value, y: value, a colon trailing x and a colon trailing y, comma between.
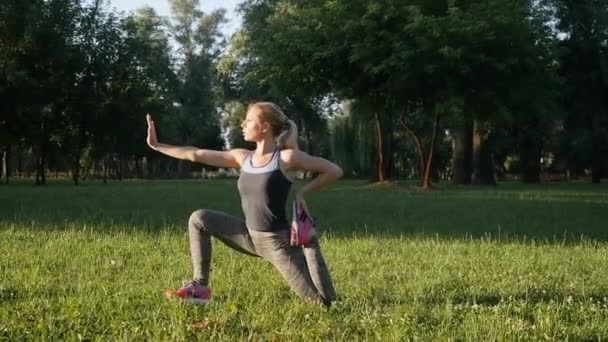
x: 304, y: 269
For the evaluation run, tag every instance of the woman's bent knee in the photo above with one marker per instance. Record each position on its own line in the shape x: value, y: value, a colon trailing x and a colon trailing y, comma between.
x: 198, y: 218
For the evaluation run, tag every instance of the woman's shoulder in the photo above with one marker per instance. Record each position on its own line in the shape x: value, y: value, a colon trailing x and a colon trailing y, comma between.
x: 288, y: 153
x: 239, y: 154
x: 290, y: 156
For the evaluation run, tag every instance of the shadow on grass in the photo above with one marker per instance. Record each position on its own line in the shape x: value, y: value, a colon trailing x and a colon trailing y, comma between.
x: 8, y: 295
x: 531, y: 296
x: 445, y: 294
x: 564, y: 213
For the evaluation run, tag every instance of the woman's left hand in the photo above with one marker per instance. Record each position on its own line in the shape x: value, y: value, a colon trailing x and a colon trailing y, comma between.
x: 301, y: 202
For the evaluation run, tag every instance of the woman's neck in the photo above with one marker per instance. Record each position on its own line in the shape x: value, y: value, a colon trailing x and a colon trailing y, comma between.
x: 265, y: 146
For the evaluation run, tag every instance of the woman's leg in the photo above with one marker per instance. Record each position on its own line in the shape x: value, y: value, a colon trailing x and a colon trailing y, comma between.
x: 289, y: 261
x: 205, y: 223
x: 318, y: 271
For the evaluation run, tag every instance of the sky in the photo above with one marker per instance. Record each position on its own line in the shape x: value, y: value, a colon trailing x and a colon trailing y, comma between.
x: 162, y: 8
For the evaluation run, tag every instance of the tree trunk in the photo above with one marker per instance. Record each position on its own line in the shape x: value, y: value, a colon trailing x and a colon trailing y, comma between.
x: 151, y: 167
x: 76, y: 166
x: 530, y: 151
x: 387, y: 151
x: 82, y: 142
x: 596, y: 162
x: 40, y: 169
x: 426, y: 183
x: 530, y: 163
x: 105, y: 169
x: 6, y: 166
x: 121, y: 169
x: 115, y: 168
x: 180, y: 168
x: 143, y: 164
x: 19, y: 162
x: 419, y: 147
x: 462, y: 153
x: 76, y: 170
x: 311, y: 146
x: 483, y: 167
x: 379, y: 148
x: 43, y: 151
x: 138, y: 167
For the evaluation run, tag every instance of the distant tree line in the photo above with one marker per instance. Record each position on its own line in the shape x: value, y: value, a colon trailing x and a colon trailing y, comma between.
x: 460, y: 90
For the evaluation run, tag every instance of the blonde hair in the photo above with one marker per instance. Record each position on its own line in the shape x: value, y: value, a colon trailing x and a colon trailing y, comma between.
x: 284, y: 129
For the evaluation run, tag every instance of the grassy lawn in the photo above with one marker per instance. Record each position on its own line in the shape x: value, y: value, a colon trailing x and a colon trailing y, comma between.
x: 511, y: 262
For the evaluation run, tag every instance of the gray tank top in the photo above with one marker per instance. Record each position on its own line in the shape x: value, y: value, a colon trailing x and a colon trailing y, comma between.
x: 264, y: 192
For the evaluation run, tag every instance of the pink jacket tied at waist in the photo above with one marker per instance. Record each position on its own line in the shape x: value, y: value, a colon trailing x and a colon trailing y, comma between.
x: 302, y: 226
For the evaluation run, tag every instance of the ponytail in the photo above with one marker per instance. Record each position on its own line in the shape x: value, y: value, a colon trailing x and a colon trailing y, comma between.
x: 288, y: 139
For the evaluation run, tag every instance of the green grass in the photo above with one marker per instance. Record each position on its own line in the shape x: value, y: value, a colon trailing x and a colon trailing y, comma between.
x: 511, y: 262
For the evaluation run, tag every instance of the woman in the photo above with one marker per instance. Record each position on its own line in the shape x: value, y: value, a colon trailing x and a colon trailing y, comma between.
x: 264, y: 183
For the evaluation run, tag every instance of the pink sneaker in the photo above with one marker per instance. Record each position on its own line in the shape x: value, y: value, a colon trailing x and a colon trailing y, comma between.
x: 191, y: 293
x: 302, y: 227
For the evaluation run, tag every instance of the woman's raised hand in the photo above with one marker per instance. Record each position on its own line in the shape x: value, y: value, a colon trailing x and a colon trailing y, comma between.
x: 151, y: 139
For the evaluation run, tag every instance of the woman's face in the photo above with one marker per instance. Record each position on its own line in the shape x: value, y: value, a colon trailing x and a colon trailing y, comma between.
x: 254, y: 129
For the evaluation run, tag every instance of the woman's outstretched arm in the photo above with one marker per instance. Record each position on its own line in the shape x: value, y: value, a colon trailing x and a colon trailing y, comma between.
x: 230, y: 158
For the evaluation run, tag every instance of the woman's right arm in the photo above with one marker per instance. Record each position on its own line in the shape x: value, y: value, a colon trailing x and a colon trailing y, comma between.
x: 230, y: 158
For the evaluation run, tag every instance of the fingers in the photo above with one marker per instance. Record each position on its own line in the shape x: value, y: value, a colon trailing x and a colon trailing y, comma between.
x: 303, y: 206
x: 151, y: 138
x: 151, y: 128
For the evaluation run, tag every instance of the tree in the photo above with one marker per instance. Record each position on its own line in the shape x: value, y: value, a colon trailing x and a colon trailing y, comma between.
x: 200, y: 42
x: 421, y: 60
x: 100, y: 42
x: 16, y: 23
x: 50, y: 65
x: 352, y: 140
x: 140, y: 81
x: 584, y: 66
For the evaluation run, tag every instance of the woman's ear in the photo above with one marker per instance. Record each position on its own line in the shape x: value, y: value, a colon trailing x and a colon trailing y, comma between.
x: 266, y: 127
